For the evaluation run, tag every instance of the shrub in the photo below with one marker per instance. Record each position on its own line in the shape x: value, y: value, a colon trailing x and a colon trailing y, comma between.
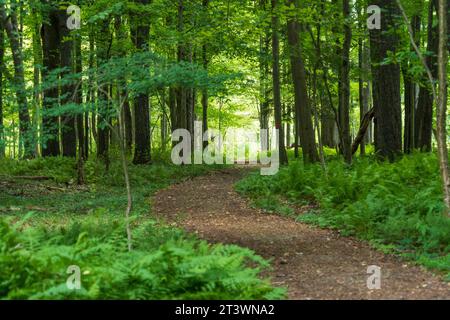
x: 397, y: 204
x: 164, y: 265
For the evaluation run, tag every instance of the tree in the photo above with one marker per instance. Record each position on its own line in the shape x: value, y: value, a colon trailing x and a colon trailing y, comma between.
x: 442, y: 102
x: 142, y: 151
x: 424, y: 114
x: 205, y: 97
x: 2, y: 55
x: 304, y: 126
x: 50, y: 47
x: 276, y: 83
x: 386, y: 83
x: 69, y: 148
x: 410, y: 92
x: 344, y: 85
x: 10, y: 24
x: 264, y: 86
x: 103, y: 104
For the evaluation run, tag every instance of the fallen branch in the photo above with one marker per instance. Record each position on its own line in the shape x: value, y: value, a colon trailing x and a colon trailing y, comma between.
x: 367, y: 119
x: 27, y: 177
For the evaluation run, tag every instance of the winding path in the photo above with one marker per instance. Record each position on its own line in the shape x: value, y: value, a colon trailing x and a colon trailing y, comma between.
x: 312, y: 263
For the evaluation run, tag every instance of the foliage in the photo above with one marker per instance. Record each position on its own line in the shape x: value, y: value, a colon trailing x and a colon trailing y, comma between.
x: 164, y: 265
x: 397, y: 204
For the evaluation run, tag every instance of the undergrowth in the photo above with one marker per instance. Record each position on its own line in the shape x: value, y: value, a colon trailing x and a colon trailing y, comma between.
x: 397, y: 207
x: 165, y: 264
x: 68, y: 225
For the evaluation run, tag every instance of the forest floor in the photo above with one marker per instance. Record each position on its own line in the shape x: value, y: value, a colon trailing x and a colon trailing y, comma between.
x: 312, y: 263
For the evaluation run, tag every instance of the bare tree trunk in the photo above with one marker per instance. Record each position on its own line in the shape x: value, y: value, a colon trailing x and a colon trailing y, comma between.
x: 386, y: 84
x: 424, y: 115
x: 205, y: 97
x: 410, y: 94
x: 50, y: 45
x: 344, y: 92
x: 103, y: 39
x: 2, y: 56
x: 304, y: 126
x: 142, y: 151
x: 11, y: 26
x: 68, y: 135
x: 264, y: 106
x: 276, y: 83
x: 37, y: 61
x: 442, y: 103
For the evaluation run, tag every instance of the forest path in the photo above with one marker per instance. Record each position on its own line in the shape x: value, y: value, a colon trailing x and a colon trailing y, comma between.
x: 312, y: 263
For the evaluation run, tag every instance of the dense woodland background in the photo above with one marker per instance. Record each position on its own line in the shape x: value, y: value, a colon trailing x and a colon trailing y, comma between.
x: 361, y: 111
x: 314, y: 69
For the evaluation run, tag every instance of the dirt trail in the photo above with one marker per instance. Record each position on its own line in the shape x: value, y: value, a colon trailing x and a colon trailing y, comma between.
x: 312, y: 263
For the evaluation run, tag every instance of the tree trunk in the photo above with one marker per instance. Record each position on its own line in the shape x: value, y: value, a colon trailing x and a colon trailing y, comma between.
x: 83, y: 148
x: 442, y: 102
x: 304, y: 126
x: 122, y: 37
x: 386, y: 84
x: 68, y: 134
x: 26, y: 133
x: 364, y: 90
x: 424, y: 116
x: 37, y: 61
x: 181, y: 92
x: 205, y: 97
x: 142, y: 151
x: 344, y: 79
x: 50, y: 46
x: 103, y: 38
x: 90, y: 97
x: 2, y: 56
x: 276, y: 84
x: 410, y: 94
x: 366, y: 120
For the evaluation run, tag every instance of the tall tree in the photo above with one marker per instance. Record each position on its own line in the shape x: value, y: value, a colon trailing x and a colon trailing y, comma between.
x: 142, y: 151
x: 11, y: 26
x: 344, y: 85
x: 51, y: 56
x: 37, y: 63
x: 69, y: 147
x: 304, y: 126
x: 205, y: 98
x: 364, y: 88
x: 442, y: 101
x: 122, y: 37
x: 410, y: 92
x: 182, y: 56
x: 103, y: 41
x: 2, y: 56
x: 82, y: 119
x: 386, y: 82
x: 264, y: 87
x: 276, y: 83
x: 424, y: 115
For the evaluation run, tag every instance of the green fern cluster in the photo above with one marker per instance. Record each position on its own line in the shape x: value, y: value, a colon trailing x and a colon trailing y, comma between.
x: 397, y: 205
x: 165, y: 264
